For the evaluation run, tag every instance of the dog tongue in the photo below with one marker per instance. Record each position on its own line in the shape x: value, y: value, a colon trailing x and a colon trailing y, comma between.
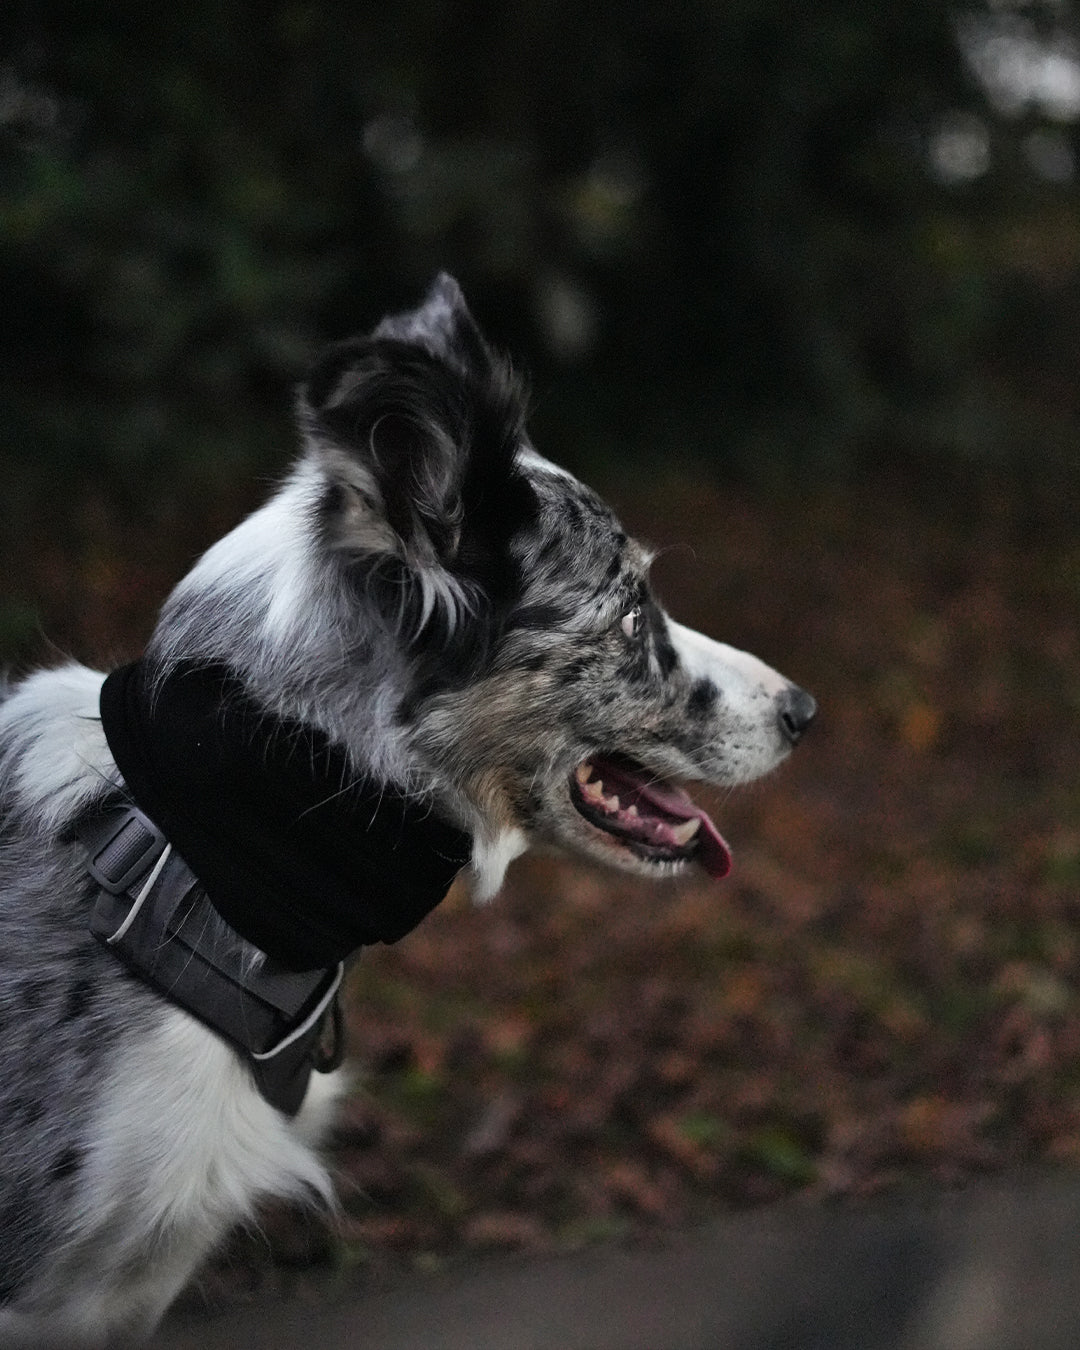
x: 713, y: 853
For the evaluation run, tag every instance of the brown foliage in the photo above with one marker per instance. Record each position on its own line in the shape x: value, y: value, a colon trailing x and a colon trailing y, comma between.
x: 884, y: 989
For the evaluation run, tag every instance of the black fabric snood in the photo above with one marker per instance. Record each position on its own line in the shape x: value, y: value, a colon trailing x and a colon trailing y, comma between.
x: 296, y: 853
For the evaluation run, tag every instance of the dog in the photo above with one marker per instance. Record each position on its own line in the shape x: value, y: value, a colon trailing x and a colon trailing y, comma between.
x: 431, y: 648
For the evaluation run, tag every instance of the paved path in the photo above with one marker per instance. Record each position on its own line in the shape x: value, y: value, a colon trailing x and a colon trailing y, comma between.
x: 996, y: 1267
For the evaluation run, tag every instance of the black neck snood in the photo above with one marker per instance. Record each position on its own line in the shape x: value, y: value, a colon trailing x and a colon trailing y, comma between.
x: 296, y: 853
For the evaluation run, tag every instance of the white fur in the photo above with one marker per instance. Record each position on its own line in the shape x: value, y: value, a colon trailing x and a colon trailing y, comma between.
x: 491, y: 856
x: 58, y: 753
x: 740, y: 677
x: 183, y: 1148
x: 268, y: 557
x: 530, y: 458
x: 748, y: 691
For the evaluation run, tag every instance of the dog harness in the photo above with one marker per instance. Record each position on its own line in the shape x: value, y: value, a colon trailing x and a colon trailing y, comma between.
x: 245, y: 821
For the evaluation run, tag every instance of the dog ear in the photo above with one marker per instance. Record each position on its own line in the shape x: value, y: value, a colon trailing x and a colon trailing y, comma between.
x: 442, y: 323
x: 417, y: 428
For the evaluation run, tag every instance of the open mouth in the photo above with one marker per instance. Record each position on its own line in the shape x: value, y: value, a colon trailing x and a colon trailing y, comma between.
x: 656, y: 821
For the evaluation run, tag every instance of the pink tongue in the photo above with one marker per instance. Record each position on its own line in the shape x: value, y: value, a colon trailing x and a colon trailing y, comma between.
x: 713, y: 853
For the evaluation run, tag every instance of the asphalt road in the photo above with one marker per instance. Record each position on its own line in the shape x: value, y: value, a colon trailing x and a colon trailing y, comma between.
x: 995, y: 1267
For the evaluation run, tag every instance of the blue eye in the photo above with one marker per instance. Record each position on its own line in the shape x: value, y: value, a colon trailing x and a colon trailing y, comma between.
x: 631, y: 622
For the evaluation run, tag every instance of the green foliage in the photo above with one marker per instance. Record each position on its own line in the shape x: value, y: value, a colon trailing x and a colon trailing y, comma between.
x: 778, y: 1150
x: 719, y: 214
x: 705, y: 1130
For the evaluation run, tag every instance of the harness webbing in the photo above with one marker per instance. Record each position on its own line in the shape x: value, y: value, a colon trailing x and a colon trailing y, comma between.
x: 152, y: 913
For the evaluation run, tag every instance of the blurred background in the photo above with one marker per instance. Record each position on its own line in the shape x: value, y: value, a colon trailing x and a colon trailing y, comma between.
x: 797, y: 287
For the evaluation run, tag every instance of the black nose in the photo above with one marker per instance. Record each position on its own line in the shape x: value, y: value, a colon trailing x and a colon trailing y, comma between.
x: 796, y: 710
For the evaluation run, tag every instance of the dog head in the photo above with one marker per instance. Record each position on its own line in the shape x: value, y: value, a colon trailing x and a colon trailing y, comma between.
x: 542, y: 691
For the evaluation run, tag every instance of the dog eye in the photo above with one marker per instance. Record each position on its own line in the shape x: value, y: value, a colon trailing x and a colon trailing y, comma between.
x: 631, y: 622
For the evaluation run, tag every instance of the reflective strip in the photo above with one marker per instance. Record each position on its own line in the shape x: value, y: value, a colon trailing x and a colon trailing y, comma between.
x: 309, y: 1022
x: 147, y: 887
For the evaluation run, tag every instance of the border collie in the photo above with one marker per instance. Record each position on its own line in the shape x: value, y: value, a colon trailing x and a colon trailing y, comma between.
x: 430, y: 648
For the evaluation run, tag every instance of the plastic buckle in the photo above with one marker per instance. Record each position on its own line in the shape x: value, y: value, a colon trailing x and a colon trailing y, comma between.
x: 132, y: 846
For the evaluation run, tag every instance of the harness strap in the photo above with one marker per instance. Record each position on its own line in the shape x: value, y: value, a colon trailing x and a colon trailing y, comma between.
x: 153, y: 914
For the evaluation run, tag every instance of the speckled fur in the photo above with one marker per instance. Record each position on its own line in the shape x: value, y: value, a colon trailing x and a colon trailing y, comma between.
x: 469, y: 622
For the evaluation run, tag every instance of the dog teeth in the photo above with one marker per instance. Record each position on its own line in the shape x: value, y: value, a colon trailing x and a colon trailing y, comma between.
x: 682, y: 834
x: 592, y: 789
x: 632, y: 812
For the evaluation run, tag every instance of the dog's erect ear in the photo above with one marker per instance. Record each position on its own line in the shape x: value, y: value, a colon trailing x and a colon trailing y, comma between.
x: 417, y: 428
x: 442, y: 323
x: 442, y: 326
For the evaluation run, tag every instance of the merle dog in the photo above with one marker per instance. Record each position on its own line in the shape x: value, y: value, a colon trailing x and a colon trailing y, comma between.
x: 430, y: 648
